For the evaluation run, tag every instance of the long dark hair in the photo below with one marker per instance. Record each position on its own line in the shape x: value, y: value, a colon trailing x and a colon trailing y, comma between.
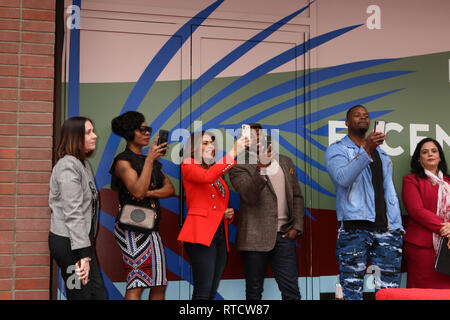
x: 417, y: 168
x: 72, y: 139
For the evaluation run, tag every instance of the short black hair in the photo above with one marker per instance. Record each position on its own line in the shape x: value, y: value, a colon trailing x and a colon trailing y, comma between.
x: 350, y: 110
x: 125, y: 124
x: 417, y: 168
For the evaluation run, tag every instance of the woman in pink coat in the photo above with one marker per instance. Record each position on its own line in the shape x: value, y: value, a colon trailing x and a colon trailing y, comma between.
x: 426, y: 195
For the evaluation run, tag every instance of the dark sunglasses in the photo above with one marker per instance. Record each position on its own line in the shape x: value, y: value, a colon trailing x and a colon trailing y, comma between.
x: 144, y: 129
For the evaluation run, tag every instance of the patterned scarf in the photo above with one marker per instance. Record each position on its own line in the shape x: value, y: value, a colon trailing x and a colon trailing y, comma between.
x: 443, y: 204
x: 220, y: 187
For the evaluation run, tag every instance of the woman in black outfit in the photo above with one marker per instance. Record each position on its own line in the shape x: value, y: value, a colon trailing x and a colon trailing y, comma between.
x: 140, y: 180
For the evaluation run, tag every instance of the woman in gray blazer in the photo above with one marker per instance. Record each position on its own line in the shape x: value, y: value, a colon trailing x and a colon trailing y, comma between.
x: 73, y: 201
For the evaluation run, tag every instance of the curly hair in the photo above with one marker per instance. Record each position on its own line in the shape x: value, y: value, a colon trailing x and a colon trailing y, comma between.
x: 417, y: 168
x: 125, y: 124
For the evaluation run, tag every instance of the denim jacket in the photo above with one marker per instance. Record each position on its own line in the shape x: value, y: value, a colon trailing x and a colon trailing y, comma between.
x: 349, y: 168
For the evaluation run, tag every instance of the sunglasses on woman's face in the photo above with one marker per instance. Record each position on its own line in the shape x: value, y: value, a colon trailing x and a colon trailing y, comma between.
x: 144, y: 129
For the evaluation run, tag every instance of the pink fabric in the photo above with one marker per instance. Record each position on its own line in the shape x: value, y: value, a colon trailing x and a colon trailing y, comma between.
x: 413, y: 294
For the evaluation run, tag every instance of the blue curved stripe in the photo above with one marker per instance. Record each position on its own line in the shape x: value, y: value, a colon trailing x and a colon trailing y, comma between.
x: 74, y: 70
x: 266, y: 67
x: 146, y: 81
x: 294, y: 84
x: 217, y: 68
x: 323, y: 91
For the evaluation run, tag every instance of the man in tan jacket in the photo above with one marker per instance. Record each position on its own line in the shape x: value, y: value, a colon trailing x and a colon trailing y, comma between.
x: 270, y: 218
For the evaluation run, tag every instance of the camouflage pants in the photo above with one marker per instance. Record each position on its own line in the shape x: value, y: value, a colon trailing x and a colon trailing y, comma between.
x: 384, y: 252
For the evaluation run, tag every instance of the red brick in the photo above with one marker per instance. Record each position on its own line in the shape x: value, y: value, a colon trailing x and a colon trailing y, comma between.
x: 5, y: 295
x: 6, y: 236
x: 39, y: 4
x: 35, y: 106
x: 43, y: 177
x: 8, y: 153
x: 33, y: 130
x: 35, y: 165
x: 9, y: 25
x: 28, y: 272
x: 35, y: 118
x: 32, y: 260
x: 33, y: 213
x: 32, y: 224
x: 8, y: 82
x: 6, y: 273
x: 27, y: 247
x: 8, y: 117
x: 9, y: 59
x: 32, y: 295
x: 9, y: 70
x: 38, y: 154
x: 7, y: 248
x: 25, y: 284
x: 6, y: 225
x: 41, y: 61
x: 29, y: 14
x: 32, y: 189
x: 10, y: 3
x: 31, y: 201
x: 7, y: 165
x: 38, y: 37
x: 7, y: 188
x: 33, y: 48
x: 35, y: 142
x: 7, y: 213
x: 30, y: 236
x: 9, y: 13
x: 36, y: 83
x: 9, y: 94
x: 9, y: 36
x: 6, y: 261
x: 7, y: 201
x: 37, y: 72
x: 8, y: 142
x: 5, y: 285
x: 38, y: 26
x: 34, y: 95
x: 11, y: 47
x: 8, y: 129
x: 7, y: 176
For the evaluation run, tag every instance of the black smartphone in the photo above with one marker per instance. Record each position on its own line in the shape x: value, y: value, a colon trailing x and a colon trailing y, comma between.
x: 163, y: 137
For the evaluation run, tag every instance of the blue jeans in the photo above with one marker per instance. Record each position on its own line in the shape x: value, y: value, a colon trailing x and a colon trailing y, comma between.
x: 382, y: 249
x: 283, y: 261
x: 208, y: 264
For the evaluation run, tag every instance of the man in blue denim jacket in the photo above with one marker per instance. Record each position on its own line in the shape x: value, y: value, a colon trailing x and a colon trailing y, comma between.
x: 367, y: 207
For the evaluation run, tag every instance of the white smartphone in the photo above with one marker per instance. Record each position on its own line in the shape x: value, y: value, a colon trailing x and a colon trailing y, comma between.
x: 246, y: 130
x: 380, y: 126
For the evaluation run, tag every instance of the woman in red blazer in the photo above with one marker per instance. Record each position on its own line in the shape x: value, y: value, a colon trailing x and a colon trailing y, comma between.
x: 205, y: 230
x: 426, y: 223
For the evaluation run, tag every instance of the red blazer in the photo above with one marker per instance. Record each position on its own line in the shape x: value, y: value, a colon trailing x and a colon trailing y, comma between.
x: 420, y: 199
x: 204, y: 201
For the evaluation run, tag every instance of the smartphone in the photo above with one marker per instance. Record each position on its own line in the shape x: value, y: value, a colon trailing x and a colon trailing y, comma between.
x: 269, y: 143
x: 380, y: 126
x: 163, y: 137
x: 246, y: 130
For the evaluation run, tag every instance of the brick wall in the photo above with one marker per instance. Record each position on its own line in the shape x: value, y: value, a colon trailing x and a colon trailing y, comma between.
x: 27, y: 40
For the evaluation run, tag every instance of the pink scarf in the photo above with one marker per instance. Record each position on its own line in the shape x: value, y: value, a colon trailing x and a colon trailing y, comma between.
x: 443, y: 204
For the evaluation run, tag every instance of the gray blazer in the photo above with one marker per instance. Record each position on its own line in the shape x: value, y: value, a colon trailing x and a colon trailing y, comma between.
x: 70, y: 201
x: 257, y: 220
